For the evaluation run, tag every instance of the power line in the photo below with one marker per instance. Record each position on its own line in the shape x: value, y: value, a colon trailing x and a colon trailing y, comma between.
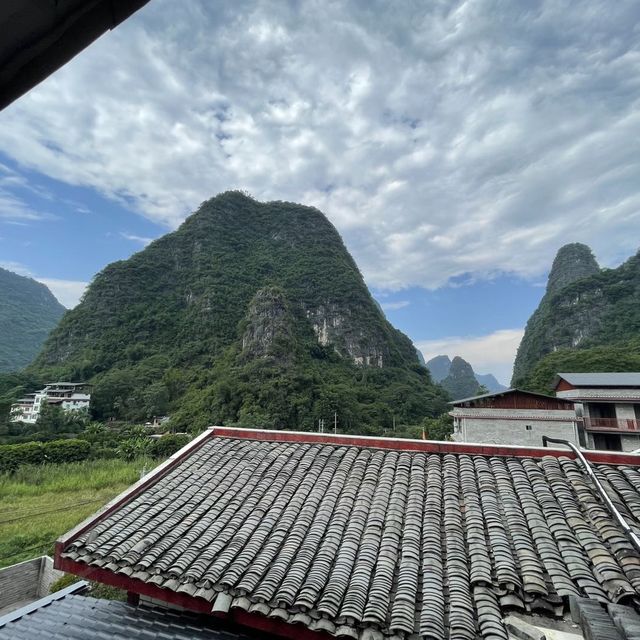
x: 37, y: 546
x: 35, y: 514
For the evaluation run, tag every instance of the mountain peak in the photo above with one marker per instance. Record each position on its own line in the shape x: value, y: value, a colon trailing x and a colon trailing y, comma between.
x: 573, y: 262
x: 250, y: 313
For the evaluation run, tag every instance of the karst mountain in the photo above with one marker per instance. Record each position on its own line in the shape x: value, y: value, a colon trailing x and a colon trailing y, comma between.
x: 249, y: 313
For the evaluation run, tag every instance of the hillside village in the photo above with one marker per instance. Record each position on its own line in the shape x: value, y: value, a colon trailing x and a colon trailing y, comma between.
x: 268, y: 421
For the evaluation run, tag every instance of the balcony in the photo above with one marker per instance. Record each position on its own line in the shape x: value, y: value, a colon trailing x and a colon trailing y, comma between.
x: 625, y: 425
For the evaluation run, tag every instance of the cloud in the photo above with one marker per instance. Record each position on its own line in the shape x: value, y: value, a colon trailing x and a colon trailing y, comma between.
x: 492, y: 353
x: 392, y: 306
x: 68, y: 292
x: 134, y: 238
x: 442, y: 139
x: 16, y: 267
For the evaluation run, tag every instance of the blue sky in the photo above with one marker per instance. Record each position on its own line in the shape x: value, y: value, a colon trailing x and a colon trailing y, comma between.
x: 455, y: 145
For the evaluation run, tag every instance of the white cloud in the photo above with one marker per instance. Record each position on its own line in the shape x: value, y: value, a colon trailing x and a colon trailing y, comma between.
x: 16, y: 267
x: 134, y: 238
x: 492, y: 353
x: 392, y: 306
x: 442, y: 139
x: 68, y: 292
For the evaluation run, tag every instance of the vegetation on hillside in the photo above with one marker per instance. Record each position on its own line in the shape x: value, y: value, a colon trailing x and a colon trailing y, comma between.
x: 461, y: 381
x: 168, y: 330
x: 620, y: 356
x: 28, y: 312
x: 601, y: 310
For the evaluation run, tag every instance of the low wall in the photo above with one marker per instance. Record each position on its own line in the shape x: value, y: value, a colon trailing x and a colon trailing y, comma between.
x: 26, y: 581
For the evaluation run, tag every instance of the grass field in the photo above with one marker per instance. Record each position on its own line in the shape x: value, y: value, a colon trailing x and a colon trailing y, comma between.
x: 37, y: 504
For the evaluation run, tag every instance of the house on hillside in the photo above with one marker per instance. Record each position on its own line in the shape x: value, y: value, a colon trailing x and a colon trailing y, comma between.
x: 609, y: 405
x: 71, y: 396
x: 321, y: 536
x: 513, y: 417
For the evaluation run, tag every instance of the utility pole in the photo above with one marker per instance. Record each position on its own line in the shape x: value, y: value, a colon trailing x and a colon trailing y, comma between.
x: 335, y: 422
x: 394, y: 423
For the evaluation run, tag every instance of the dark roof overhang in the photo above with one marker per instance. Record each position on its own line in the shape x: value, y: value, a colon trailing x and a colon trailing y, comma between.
x: 40, y: 36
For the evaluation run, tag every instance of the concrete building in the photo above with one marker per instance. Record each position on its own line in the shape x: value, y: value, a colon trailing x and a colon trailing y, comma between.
x: 71, y: 396
x: 513, y: 417
x: 609, y: 405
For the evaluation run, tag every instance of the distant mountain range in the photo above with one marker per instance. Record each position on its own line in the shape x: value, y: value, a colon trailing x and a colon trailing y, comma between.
x: 28, y: 312
x: 459, y: 379
x: 588, y: 320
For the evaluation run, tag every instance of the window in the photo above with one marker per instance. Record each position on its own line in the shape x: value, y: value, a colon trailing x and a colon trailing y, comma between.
x: 527, y: 427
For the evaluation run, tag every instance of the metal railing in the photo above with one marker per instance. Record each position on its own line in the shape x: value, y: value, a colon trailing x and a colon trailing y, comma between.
x: 635, y: 540
x: 612, y: 424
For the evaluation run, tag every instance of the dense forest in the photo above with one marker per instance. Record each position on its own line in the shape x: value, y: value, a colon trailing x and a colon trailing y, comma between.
x: 28, y: 312
x: 250, y: 313
x: 587, y: 321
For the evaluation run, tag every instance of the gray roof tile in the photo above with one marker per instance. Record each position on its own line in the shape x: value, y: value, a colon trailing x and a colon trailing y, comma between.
x: 371, y: 543
x: 79, y: 618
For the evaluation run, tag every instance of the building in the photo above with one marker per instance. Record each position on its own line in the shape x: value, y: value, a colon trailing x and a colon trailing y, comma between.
x: 609, y: 405
x: 317, y: 536
x: 513, y: 417
x: 71, y: 396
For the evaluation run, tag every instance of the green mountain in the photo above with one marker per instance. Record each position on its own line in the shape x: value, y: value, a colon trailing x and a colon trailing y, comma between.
x: 250, y: 313
x: 440, y: 368
x: 28, y: 312
x: 588, y: 319
x: 460, y: 381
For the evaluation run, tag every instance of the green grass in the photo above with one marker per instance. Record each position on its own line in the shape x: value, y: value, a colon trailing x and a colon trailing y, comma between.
x: 39, y: 503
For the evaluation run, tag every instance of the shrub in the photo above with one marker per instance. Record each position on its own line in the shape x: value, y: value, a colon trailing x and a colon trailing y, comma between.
x: 167, y: 445
x: 13, y: 456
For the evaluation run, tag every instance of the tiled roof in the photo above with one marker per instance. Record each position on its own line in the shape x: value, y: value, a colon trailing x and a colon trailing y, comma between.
x: 602, y: 379
x: 79, y: 618
x: 369, y: 543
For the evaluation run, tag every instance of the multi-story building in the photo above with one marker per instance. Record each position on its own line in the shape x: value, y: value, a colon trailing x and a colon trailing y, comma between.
x: 609, y: 405
x: 513, y: 417
x: 71, y: 396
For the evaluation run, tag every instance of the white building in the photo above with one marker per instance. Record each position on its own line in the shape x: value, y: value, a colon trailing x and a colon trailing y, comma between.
x: 513, y: 417
x: 609, y: 405
x: 71, y: 396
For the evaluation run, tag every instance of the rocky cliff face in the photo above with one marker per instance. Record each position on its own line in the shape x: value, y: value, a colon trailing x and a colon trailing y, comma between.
x: 240, y: 286
x: 268, y: 325
x: 572, y: 262
x: 581, y: 309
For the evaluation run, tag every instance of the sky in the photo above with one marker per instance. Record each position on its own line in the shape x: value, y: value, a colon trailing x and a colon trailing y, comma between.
x: 455, y: 146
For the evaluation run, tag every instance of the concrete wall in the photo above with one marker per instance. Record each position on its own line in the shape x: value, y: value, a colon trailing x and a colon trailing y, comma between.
x: 630, y: 443
x: 625, y: 412
x: 26, y: 581
x: 514, y: 432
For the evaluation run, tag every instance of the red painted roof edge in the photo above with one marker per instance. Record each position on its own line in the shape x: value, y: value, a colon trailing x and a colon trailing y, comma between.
x: 428, y: 446
x: 253, y: 621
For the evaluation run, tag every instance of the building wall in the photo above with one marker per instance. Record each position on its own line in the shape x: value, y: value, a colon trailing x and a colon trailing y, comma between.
x: 26, y: 581
x: 625, y: 411
x: 510, y: 427
x: 630, y: 443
